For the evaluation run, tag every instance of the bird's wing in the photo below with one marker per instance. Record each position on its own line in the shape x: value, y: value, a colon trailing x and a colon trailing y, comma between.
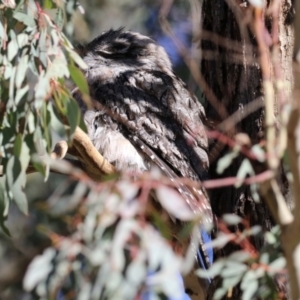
x: 157, y: 114
x: 158, y: 110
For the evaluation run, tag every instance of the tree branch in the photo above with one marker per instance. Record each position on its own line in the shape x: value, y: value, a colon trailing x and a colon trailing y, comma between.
x: 89, y: 159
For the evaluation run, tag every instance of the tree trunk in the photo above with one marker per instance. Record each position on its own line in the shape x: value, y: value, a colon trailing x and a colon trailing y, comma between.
x: 234, y: 77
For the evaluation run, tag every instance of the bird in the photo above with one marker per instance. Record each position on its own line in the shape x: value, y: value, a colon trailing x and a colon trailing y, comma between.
x: 143, y: 115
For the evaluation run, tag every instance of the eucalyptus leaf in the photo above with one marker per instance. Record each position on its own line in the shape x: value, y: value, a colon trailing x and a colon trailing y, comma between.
x: 12, y: 49
x: 21, y: 93
x: 16, y: 179
x: 241, y: 256
x: 18, y: 145
x: 213, y: 271
x: 38, y: 269
x: 174, y: 203
x: 244, y: 170
x: 24, y: 18
x: 21, y: 70
x: 277, y: 265
x: 231, y: 219
x: 73, y: 115
x: 233, y: 268
x: 249, y: 290
x: 1, y: 30
x: 4, y: 204
x: 79, y: 79
x: 77, y: 59
x: 22, y: 40
x: 220, y: 293
x: 59, y: 17
x: 225, y: 161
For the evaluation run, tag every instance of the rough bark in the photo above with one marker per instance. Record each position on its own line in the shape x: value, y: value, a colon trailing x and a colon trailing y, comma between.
x: 236, y: 83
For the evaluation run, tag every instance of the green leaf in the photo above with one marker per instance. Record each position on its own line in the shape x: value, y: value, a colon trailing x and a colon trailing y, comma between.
x: 21, y: 70
x: 259, y: 153
x: 250, y: 289
x: 249, y: 277
x: 240, y: 256
x: 10, y: 103
x: 24, y: 18
x: 4, y: 205
x: 59, y: 18
x: 58, y: 68
x: 16, y: 179
x: 22, y: 40
x: 43, y: 47
x: 219, y: 293
x: 39, y: 167
x: 244, y: 170
x: 225, y: 161
x: 231, y: 219
x: 39, y: 269
x: 277, y: 265
x: 21, y: 93
x: 48, y: 4
x: 213, y: 271
x: 41, y: 91
x: 174, y: 203
x: 77, y: 59
x: 1, y: 30
x: 18, y: 145
x: 232, y: 281
x: 73, y: 115
x: 79, y: 79
x: 24, y: 156
x: 233, y: 268
x: 12, y: 49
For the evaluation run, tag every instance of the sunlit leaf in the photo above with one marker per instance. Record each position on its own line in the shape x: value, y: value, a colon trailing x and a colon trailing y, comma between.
x: 249, y: 290
x: 232, y: 281
x: 39, y: 269
x: 244, y: 170
x: 240, y: 256
x: 59, y: 17
x: 231, y: 219
x: 257, y: 3
x: 213, y: 271
x: 174, y: 203
x: 220, y: 241
x: 12, y: 50
x: 21, y: 93
x: 233, y: 268
x: 277, y: 265
x: 21, y: 70
x: 24, y: 18
x: 77, y: 59
x: 219, y: 293
x: 225, y: 161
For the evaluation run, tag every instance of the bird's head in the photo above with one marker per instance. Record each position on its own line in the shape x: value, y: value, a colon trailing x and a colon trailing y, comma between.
x: 117, y: 51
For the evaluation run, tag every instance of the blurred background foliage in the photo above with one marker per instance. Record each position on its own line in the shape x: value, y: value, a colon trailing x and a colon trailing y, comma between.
x: 30, y: 234
x: 53, y: 205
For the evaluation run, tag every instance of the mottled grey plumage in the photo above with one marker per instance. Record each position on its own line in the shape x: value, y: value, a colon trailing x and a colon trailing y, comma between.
x: 144, y: 113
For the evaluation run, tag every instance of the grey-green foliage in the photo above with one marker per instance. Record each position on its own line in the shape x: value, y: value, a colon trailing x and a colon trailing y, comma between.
x: 111, y: 252
x: 252, y: 270
x: 110, y: 249
x: 35, y: 59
